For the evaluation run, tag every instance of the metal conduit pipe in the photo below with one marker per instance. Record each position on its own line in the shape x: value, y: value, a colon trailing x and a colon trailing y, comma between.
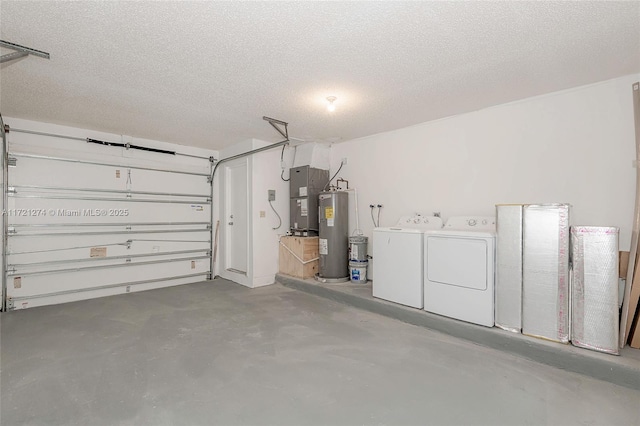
x: 246, y: 154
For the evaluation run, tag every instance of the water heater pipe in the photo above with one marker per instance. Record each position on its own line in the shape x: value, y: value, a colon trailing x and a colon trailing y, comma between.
x: 356, y: 231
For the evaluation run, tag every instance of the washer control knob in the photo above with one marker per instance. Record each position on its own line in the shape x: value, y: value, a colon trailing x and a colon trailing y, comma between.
x: 472, y: 222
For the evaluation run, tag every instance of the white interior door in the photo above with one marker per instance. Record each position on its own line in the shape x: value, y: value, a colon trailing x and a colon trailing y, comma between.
x: 236, y: 216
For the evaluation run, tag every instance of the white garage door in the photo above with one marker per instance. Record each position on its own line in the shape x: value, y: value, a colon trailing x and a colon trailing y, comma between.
x: 85, y: 218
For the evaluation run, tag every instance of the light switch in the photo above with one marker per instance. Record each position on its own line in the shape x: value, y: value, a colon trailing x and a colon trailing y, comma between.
x: 263, y: 213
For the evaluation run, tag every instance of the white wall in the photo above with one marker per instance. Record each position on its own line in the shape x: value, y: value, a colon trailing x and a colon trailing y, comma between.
x: 574, y: 146
x: 266, y: 175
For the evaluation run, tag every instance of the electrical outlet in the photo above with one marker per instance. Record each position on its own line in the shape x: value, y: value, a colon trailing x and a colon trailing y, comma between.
x: 272, y: 195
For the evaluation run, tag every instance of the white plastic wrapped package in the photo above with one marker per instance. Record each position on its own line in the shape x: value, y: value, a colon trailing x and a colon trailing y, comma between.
x: 594, y: 288
x: 545, y: 272
x: 509, y: 267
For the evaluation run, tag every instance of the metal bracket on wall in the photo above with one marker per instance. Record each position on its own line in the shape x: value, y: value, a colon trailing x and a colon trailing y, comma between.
x: 20, y: 51
x: 276, y: 125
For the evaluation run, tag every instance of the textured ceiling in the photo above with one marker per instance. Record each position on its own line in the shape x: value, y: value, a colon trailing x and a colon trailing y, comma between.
x: 204, y: 73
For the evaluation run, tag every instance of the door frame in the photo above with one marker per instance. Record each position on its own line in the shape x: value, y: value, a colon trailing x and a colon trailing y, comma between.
x: 240, y: 278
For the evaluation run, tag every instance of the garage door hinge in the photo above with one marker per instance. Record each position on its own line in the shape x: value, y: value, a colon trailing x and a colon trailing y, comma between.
x: 128, y: 228
x: 11, y: 230
x: 128, y: 260
x: 11, y: 190
x: 12, y: 161
x: 209, y: 228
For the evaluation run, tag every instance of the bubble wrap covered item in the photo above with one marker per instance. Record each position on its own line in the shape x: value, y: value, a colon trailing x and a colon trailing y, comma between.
x: 545, y: 272
x: 594, y: 288
x: 509, y: 267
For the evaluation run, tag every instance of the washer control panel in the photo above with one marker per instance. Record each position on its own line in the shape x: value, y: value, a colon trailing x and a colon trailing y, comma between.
x: 479, y: 223
x: 420, y: 222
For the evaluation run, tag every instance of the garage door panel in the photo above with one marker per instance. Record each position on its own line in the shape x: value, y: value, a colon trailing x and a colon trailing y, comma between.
x: 50, y: 173
x: 50, y: 192
x: 79, y: 229
x: 82, y: 280
x: 72, y: 247
x: 41, y: 172
x: 99, y: 261
x: 146, y: 180
x: 108, y: 290
x: 63, y: 211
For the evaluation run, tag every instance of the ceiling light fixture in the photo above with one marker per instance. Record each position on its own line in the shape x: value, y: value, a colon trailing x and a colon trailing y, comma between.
x: 331, y: 107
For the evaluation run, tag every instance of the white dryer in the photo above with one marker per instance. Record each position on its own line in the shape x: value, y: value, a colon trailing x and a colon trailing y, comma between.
x: 398, y: 257
x: 459, y: 264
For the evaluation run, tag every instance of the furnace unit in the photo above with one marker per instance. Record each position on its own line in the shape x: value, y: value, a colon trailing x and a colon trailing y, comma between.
x: 305, y: 185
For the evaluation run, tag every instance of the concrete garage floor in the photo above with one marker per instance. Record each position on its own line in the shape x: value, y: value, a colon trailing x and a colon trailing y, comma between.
x: 219, y: 353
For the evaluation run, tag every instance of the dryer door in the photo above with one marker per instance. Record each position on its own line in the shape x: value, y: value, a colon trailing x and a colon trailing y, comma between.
x: 457, y: 261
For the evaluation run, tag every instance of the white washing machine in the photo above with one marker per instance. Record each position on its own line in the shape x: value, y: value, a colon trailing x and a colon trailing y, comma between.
x: 459, y: 264
x: 398, y: 257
